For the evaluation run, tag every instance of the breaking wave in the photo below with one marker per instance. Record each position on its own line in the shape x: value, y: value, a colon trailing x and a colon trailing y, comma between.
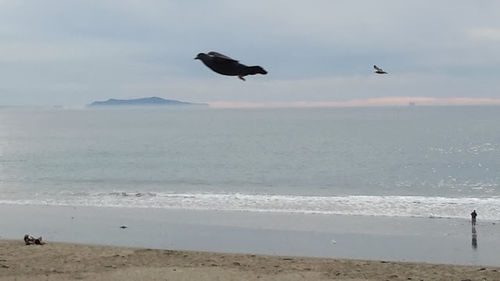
x: 398, y: 206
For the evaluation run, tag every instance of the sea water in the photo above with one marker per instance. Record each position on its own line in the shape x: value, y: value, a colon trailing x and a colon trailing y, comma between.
x: 384, y: 161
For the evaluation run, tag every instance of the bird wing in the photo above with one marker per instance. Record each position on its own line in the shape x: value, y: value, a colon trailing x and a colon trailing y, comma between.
x: 377, y: 68
x: 220, y: 56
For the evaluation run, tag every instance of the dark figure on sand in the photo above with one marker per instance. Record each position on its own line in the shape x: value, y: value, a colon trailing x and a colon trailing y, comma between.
x: 473, y: 216
x: 30, y: 240
x: 227, y: 66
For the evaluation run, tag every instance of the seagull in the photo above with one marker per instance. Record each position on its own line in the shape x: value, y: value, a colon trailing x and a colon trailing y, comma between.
x: 379, y: 70
x: 227, y: 66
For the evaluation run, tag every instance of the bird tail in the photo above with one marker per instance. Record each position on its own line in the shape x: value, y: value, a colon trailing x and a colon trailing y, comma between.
x: 251, y: 70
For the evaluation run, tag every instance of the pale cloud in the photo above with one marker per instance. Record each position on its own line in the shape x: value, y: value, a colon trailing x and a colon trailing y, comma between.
x: 68, y: 50
x: 382, y: 101
x: 261, y: 91
x: 485, y: 34
x: 74, y: 52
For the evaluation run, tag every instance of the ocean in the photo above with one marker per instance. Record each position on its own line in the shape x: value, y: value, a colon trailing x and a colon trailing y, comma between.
x: 426, y: 162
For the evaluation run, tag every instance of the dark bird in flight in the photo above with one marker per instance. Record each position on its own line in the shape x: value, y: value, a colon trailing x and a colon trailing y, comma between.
x: 379, y: 70
x: 227, y: 66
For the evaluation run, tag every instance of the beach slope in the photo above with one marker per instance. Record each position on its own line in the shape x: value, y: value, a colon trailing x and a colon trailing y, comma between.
x: 64, y: 261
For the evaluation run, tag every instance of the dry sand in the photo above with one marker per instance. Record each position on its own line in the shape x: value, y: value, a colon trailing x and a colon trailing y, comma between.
x: 60, y: 261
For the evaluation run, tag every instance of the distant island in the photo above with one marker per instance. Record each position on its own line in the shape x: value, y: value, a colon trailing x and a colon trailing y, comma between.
x: 152, y: 101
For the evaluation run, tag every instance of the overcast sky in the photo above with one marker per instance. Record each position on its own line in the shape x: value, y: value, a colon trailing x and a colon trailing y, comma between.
x: 70, y: 52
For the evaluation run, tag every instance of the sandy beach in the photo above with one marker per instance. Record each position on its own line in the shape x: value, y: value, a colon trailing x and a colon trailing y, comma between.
x: 436, y: 241
x: 157, y: 244
x: 65, y: 261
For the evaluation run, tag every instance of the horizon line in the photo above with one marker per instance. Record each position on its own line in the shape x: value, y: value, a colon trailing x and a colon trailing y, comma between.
x: 369, y: 102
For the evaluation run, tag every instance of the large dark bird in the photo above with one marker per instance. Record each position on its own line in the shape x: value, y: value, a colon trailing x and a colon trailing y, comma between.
x: 379, y: 70
x: 227, y: 66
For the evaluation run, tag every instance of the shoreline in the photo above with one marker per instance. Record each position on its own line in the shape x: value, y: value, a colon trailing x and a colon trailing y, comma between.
x: 66, y: 261
x: 437, y: 241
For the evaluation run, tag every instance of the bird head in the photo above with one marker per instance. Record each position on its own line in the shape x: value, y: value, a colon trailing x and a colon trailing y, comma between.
x: 261, y: 70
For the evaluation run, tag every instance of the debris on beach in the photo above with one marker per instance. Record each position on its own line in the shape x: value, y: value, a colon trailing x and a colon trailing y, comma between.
x: 30, y: 240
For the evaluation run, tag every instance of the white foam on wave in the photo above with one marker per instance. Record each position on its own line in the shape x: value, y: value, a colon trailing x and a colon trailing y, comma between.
x: 398, y: 206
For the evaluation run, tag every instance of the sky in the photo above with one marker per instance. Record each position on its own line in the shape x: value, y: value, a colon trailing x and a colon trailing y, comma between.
x: 317, y: 53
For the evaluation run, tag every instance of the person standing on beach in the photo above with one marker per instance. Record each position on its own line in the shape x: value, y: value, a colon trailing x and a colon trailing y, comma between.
x: 473, y: 216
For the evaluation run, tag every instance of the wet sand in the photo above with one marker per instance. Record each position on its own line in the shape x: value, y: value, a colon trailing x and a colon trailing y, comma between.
x: 65, y: 261
x: 436, y: 241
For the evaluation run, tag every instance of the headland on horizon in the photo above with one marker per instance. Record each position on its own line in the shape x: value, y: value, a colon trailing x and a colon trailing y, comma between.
x: 150, y: 101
